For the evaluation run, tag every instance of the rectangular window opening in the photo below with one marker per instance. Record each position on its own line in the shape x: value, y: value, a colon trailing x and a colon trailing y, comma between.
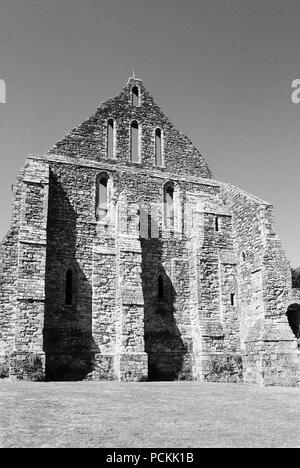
x: 149, y: 225
x: 232, y: 299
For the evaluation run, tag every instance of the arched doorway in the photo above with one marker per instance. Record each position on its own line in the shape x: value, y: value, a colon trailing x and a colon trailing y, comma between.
x: 293, y: 315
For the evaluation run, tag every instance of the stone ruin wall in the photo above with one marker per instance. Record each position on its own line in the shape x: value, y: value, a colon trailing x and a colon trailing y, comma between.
x: 117, y: 326
x: 23, y: 255
x: 8, y: 275
x: 264, y: 281
x: 93, y: 251
x: 88, y: 333
x: 88, y: 140
x: 117, y: 323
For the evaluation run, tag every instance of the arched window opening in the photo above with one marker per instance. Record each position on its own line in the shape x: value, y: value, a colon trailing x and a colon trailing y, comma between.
x: 134, y: 142
x: 169, y: 205
x: 69, y: 287
x: 160, y: 287
x: 243, y: 256
x: 158, y: 147
x: 110, y: 143
x: 135, y: 96
x: 217, y: 223
x: 101, y: 197
x: 293, y: 315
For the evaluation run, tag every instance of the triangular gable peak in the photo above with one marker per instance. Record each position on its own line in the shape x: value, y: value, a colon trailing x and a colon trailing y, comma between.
x: 130, y: 129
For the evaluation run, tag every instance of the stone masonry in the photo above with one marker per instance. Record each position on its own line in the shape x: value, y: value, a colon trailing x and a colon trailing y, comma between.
x: 126, y: 260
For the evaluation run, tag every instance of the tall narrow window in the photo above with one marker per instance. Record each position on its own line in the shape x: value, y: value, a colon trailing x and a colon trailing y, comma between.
x: 169, y: 205
x: 158, y: 147
x: 110, y: 139
x: 101, y: 197
x: 160, y: 287
x: 139, y: 215
x: 69, y: 287
x: 232, y: 299
x: 134, y: 142
x: 217, y: 224
x: 135, y: 96
x: 149, y: 225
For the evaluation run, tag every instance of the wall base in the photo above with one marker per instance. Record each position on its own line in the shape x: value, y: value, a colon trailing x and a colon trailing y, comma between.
x: 131, y: 366
x: 282, y: 369
x: 220, y: 367
x: 167, y: 366
x: 25, y: 365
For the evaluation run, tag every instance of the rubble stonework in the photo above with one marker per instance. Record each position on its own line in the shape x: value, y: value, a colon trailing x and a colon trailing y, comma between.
x: 203, y: 298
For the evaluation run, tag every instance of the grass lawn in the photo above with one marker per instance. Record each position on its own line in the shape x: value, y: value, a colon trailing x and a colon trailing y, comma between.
x: 150, y: 414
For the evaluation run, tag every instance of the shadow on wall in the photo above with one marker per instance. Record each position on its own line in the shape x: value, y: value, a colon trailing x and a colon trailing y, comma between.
x: 68, y: 341
x: 163, y: 340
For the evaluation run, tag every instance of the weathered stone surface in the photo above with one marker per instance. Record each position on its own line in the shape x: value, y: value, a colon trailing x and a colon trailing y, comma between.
x: 203, y: 297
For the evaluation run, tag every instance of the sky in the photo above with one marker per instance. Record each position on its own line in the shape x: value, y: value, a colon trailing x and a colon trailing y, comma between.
x: 220, y: 69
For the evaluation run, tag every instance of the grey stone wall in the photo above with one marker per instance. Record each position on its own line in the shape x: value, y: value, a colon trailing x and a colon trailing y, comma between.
x: 88, y: 140
x: 23, y: 260
x: 270, y: 352
x: 205, y: 299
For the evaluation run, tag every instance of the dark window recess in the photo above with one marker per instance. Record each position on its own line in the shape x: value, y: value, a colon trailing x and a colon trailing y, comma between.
x: 160, y: 287
x: 232, y: 299
x: 149, y: 225
x: 135, y: 96
x: 69, y: 287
